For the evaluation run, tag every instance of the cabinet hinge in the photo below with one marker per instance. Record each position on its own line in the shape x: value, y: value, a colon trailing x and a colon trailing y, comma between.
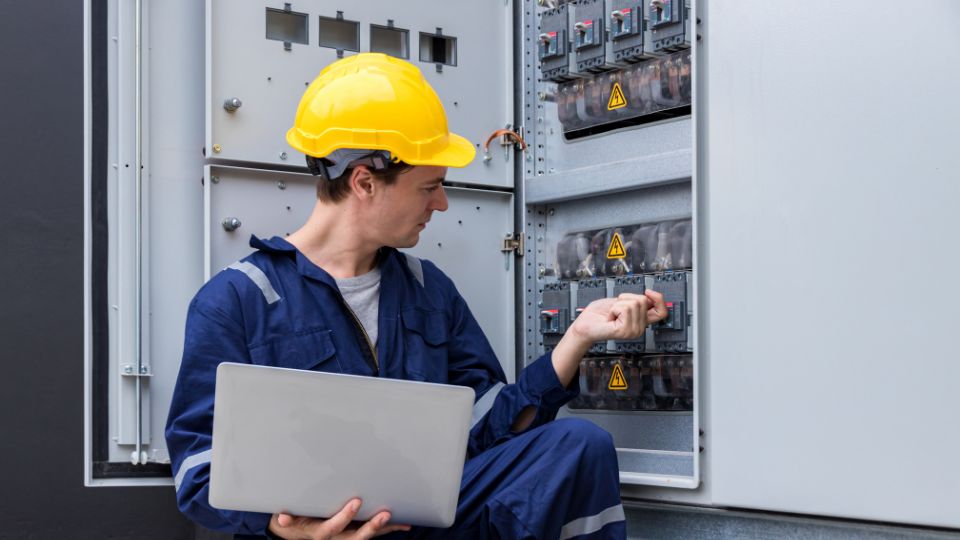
x: 512, y: 242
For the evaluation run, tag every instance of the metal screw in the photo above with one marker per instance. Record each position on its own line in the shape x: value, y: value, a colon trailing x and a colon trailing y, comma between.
x: 143, y: 370
x: 232, y: 104
x: 128, y: 369
x: 230, y: 224
x: 283, y: 156
x: 552, y: 211
x: 215, y: 179
x: 217, y: 148
x: 281, y: 185
x: 542, y: 271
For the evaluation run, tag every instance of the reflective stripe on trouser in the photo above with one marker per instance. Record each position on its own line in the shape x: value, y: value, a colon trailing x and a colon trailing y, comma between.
x: 558, y: 481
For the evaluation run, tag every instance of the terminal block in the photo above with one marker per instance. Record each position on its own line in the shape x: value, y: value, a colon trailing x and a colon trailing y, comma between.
x: 573, y: 257
x: 634, y: 285
x: 674, y: 334
x: 626, y: 31
x: 658, y: 247
x: 554, y: 313
x: 661, y: 87
x: 670, y: 382
x: 669, y: 28
x: 590, y: 36
x: 636, y: 383
x: 553, y: 44
x: 588, y: 291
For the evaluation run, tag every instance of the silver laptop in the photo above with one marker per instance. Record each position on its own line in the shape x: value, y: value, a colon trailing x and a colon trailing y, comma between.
x: 305, y: 443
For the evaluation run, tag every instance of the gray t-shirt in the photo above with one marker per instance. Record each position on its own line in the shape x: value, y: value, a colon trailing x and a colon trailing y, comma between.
x: 362, y: 294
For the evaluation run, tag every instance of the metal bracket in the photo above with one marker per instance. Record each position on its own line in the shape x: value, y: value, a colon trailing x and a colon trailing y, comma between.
x: 512, y: 242
x: 130, y: 370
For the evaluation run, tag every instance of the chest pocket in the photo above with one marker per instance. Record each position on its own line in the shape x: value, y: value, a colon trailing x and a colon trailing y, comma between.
x: 310, y: 349
x: 425, y: 341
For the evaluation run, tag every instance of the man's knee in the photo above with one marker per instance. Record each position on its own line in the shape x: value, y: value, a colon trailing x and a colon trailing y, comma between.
x: 594, y: 440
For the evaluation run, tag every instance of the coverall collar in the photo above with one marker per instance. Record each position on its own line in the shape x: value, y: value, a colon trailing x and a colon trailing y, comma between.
x: 306, y: 267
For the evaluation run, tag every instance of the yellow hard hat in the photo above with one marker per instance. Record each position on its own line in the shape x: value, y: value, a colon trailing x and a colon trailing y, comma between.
x: 377, y: 102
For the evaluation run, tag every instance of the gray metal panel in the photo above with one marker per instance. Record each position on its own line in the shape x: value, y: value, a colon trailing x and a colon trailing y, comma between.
x: 464, y: 241
x: 668, y: 431
x: 176, y: 255
x: 477, y: 93
x: 616, y: 161
x: 826, y: 166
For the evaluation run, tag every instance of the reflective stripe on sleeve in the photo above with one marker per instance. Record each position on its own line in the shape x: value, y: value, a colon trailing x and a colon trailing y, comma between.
x: 259, y: 279
x: 485, y: 403
x: 192, y: 461
x: 592, y: 524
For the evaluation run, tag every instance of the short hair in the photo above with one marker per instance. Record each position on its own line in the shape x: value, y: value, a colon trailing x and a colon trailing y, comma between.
x: 336, y: 190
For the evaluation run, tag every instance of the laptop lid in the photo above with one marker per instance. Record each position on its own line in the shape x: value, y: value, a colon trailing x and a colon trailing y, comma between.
x: 306, y: 442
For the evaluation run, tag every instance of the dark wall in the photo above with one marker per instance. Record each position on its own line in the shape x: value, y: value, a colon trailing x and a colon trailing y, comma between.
x: 41, y: 305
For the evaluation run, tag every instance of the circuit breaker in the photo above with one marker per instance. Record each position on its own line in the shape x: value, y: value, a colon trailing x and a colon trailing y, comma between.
x: 626, y: 30
x: 553, y: 44
x: 633, y: 285
x: 587, y: 291
x: 554, y: 313
x: 668, y: 25
x: 590, y: 36
x: 674, y: 334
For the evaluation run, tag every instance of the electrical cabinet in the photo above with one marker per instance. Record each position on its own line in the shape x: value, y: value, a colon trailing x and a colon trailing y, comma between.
x: 757, y: 198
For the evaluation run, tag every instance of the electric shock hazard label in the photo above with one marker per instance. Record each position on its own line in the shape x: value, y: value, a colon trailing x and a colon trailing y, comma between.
x: 616, y: 249
x: 617, y: 99
x: 617, y: 380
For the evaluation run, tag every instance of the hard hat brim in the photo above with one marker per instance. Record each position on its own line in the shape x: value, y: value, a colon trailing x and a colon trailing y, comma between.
x: 459, y: 153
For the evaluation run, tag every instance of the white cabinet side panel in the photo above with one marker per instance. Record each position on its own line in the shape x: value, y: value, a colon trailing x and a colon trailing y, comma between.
x: 830, y: 181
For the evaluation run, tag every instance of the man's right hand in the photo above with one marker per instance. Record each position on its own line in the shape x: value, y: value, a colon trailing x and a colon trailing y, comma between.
x: 336, y: 528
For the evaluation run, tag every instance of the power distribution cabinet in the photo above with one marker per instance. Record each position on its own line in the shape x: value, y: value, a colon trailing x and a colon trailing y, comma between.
x: 637, y: 175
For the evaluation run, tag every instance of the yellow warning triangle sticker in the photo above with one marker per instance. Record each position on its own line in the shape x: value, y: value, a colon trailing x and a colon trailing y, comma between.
x: 617, y: 99
x: 616, y: 249
x: 617, y: 380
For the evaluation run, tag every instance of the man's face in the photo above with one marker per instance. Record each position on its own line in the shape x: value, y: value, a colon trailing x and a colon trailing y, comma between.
x: 401, y: 210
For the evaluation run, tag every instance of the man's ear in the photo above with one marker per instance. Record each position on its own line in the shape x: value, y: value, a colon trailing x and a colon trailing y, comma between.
x: 362, y: 183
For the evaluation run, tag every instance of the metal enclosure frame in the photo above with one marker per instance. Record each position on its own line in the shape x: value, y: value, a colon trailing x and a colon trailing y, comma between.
x: 597, y: 175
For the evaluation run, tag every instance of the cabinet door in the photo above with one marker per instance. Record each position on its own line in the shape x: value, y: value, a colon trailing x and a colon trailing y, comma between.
x: 829, y: 163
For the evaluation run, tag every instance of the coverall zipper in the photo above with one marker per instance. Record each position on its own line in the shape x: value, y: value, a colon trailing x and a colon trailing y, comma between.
x: 366, y: 338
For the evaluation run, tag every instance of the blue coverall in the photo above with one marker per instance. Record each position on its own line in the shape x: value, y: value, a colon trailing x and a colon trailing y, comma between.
x: 557, y: 479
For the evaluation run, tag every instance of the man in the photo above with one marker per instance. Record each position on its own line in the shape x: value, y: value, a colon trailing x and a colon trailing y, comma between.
x: 337, y: 296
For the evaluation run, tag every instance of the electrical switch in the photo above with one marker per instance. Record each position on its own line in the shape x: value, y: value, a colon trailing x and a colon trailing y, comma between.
x: 584, y: 34
x: 554, y: 313
x: 626, y: 31
x: 632, y: 285
x: 661, y: 12
x: 552, y: 46
x: 621, y: 23
x: 588, y: 291
x: 674, y: 333
x: 669, y: 25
